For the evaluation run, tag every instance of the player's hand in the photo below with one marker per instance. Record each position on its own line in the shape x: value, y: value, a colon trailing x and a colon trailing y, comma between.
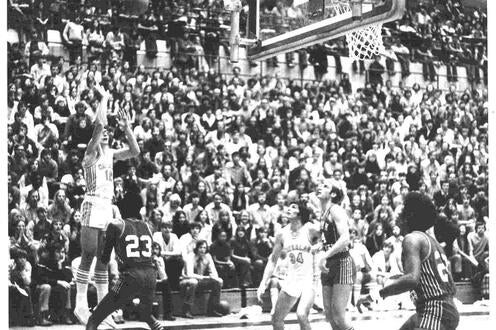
x: 64, y: 284
x: 123, y: 117
x: 316, y: 248
x: 322, y: 265
x: 260, y: 291
x: 102, y: 90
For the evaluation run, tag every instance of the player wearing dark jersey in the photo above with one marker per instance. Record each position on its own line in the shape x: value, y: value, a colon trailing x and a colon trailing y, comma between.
x: 132, y: 241
x: 426, y: 269
x: 338, y: 270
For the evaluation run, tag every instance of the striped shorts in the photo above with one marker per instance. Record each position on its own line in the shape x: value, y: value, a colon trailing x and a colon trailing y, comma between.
x: 437, y: 315
x: 341, y: 271
x: 96, y: 212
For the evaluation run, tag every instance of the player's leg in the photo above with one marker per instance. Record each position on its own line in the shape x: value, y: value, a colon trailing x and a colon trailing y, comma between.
x: 284, y: 304
x: 120, y: 294
x: 274, y: 288
x: 339, y: 300
x: 89, y: 245
x: 411, y: 323
x: 147, y: 280
x: 306, y: 302
x: 101, y: 269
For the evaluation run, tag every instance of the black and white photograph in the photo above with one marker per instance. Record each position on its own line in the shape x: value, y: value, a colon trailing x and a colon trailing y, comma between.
x: 248, y: 164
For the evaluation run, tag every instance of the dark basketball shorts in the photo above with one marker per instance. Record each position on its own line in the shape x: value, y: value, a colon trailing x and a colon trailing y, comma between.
x: 437, y: 315
x: 341, y: 271
x: 136, y: 283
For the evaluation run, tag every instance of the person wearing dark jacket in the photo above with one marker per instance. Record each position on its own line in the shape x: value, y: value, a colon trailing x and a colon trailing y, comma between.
x: 52, y: 278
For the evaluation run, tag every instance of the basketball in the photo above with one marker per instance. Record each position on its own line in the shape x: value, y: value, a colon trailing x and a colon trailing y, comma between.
x: 224, y: 307
x: 135, y: 7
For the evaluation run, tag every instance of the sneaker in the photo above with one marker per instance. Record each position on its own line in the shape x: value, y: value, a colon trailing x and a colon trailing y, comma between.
x: 214, y: 313
x: 82, y: 314
x: 109, y: 323
x: 44, y: 321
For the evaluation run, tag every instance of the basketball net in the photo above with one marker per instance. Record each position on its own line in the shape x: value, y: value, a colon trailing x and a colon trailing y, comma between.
x: 364, y: 43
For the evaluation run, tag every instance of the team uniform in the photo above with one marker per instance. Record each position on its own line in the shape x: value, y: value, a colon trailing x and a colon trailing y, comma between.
x: 96, y: 210
x: 434, y: 293
x: 133, y: 253
x: 300, y: 261
x: 341, y: 266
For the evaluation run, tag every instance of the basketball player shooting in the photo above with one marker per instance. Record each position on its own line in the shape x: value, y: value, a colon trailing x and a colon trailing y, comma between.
x: 96, y: 208
x: 296, y: 239
x: 426, y: 269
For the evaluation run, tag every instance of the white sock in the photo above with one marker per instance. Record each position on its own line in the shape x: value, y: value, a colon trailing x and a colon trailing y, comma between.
x: 101, y: 290
x: 82, y: 289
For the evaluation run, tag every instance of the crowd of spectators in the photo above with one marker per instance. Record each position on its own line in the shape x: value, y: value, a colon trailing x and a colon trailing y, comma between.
x: 221, y: 157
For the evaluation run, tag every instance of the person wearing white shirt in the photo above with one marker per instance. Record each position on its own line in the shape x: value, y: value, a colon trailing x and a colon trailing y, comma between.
x: 260, y: 211
x: 170, y: 248
x: 188, y: 241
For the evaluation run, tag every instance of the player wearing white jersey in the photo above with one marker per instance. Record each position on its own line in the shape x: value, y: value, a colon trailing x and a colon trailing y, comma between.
x: 96, y: 208
x: 296, y: 239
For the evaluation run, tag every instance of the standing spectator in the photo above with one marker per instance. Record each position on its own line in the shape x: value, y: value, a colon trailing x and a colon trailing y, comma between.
x: 376, y: 69
x: 34, y: 48
x: 403, y: 55
x: 73, y: 35
x: 200, y: 273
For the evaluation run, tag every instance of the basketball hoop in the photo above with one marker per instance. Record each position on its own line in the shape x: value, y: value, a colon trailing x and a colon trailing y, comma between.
x: 364, y: 43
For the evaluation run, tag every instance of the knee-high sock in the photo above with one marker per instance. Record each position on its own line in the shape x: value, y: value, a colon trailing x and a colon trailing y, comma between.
x: 101, y: 284
x: 82, y: 288
x: 274, y: 294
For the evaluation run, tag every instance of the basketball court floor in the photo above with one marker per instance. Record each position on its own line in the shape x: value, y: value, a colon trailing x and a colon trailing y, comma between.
x: 472, y: 318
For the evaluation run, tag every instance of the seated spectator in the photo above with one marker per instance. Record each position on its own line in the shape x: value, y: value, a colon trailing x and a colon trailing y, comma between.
x: 188, y: 240
x: 73, y: 231
x: 35, y: 47
x: 20, y: 306
x: 385, y: 264
x: 480, y: 243
x: 162, y: 282
x: 223, y: 223
x: 461, y: 266
x: 216, y: 207
x: 200, y: 273
x: 375, y: 239
x: 180, y: 225
x: 222, y: 252
x: 52, y: 278
x: 242, y: 257
x: 170, y: 208
x: 60, y: 209
x: 206, y: 226
x: 170, y: 249
x: 363, y: 266
x: 193, y: 208
x: 263, y: 246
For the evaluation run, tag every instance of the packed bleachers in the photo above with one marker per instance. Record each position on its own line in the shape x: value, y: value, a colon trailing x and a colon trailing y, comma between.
x: 229, y: 152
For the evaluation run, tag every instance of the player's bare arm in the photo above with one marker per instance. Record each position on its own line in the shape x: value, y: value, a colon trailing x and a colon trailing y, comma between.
x: 100, y: 123
x: 133, y: 149
x: 340, y: 218
x: 412, y: 260
x: 271, y: 264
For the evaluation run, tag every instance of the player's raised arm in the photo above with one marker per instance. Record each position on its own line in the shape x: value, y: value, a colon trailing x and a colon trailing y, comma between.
x: 133, y: 149
x: 271, y: 264
x: 100, y: 121
x: 411, y: 255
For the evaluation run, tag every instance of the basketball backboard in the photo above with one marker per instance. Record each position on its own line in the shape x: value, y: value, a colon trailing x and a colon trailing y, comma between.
x: 294, y: 24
